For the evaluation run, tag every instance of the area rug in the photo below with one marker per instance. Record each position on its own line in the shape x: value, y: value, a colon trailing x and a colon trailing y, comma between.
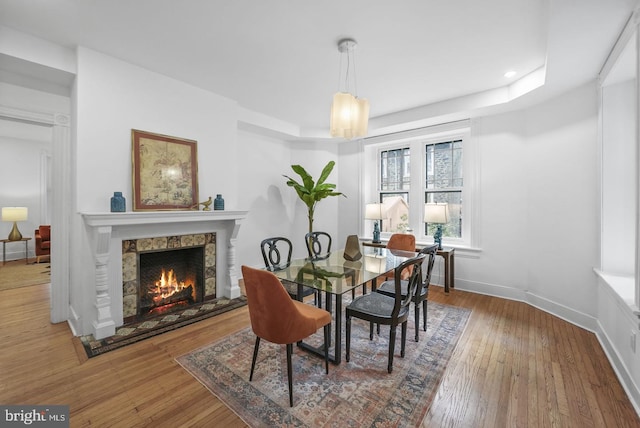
x: 359, y: 393
x: 19, y: 274
x: 132, y: 333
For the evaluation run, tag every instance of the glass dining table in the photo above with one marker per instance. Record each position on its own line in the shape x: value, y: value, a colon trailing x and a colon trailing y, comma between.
x: 334, y: 275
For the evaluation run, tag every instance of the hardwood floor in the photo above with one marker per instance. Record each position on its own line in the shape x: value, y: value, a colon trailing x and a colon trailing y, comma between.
x: 514, y: 366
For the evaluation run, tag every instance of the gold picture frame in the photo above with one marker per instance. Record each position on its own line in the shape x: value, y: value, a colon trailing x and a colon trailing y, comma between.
x: 165, y: 172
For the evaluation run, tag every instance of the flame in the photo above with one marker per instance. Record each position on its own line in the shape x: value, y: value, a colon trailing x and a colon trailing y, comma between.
x: 167, y: 285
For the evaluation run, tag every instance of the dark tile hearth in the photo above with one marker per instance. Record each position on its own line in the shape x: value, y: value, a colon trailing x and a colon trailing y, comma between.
x: 150, y: 327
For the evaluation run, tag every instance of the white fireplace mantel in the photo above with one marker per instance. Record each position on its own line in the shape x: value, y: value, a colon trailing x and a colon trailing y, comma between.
x: 99, y: 219
x: 107, y: 230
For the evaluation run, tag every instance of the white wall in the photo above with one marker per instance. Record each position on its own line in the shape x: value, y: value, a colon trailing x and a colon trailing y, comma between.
x: 619, y: 169
x: 539, y: 207
x: 262, y: 191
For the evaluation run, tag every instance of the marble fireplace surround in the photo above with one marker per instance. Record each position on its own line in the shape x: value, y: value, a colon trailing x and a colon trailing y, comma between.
x: 108, y: 230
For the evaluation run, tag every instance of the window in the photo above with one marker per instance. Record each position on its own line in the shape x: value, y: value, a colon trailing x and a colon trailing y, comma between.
x: 444, y: 169
x: 419, y: 167
x: 395, y: 178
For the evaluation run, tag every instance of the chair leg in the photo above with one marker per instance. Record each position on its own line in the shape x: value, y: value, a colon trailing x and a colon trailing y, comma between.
x: 347, y: 342
x: 371, y: 330
x: 424, y: 315
x: 392, y: 347
x: 326, y: 347
x: 417, y: 319
x: 403, y: 338
x: 255, y: 355
x: 290, y: 372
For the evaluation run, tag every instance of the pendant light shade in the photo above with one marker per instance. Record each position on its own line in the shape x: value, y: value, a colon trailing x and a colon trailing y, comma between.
x: 349, y: 114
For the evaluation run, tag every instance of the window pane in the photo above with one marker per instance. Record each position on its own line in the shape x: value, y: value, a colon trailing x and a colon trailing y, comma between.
x: 444, y: 165
x: 397, y: 212
x: 453, y: 229
x: 395, y: 171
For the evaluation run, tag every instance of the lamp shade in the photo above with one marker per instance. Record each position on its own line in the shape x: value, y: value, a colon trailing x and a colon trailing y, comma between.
x: 437, y: 213
x: 14, y: 213
x: 375, y: 212
x: 349, y: 116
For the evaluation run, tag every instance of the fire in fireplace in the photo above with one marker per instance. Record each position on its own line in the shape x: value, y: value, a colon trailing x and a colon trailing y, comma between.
x: 169, y: 280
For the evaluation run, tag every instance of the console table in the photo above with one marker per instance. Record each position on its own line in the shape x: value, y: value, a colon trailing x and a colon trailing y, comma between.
x: 26, y: 249
x: 448, y: 254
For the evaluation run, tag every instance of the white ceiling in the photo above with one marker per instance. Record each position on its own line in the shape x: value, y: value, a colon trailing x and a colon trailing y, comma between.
x: 280, y: 57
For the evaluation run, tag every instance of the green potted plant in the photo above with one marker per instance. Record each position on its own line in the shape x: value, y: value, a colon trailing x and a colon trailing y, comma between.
x: 311, y: 192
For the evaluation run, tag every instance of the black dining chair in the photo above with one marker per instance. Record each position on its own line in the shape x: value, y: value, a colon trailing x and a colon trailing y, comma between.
x: 318, y: 245
x: 420, y: 296
x: 276, y: 253
x: 382, y: 309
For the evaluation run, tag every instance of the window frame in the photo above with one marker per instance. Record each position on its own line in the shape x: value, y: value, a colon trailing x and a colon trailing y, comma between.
x: 417, y: 141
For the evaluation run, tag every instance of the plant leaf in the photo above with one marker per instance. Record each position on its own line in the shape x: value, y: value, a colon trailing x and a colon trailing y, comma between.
x: 325, y: 172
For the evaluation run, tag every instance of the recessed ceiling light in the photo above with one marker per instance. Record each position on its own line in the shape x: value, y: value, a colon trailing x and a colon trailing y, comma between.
x: 509, y: 74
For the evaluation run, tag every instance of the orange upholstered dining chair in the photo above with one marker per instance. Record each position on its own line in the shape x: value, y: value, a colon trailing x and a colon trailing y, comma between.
x: 277, y: 318
x: 404, y: 242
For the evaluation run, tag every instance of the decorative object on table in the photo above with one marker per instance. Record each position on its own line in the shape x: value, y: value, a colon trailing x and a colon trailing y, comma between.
x: 349, y: 114
x: 165, y: 172
x: 15, y: 214
x: 206, y: 204
x: 375, y: 212
x: 436, y: 213
x: 421, y: 371
x: 352, y: 248
x: 218, y: 203
x: 310, y: 192
x: 118, y: 203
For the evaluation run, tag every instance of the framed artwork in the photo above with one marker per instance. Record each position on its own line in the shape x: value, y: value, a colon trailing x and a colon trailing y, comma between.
x: 165, y: 172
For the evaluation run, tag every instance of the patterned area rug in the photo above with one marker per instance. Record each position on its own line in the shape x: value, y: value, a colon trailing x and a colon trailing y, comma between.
x: 132, y: 333
x: 354, y: 394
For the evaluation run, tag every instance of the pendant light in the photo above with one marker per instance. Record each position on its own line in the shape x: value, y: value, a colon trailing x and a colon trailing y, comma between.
x: 349, y: 114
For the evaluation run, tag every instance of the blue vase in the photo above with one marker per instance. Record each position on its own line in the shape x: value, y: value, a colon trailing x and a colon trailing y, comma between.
x: 118, y: 203
x: 218, y: 203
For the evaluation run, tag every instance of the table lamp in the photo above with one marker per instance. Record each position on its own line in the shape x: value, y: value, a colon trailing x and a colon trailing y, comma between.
x: 14, y: 214
x: 438, y: 214
x: 375, y: 212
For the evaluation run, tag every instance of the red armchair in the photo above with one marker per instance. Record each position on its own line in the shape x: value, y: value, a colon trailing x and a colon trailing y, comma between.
x: 43, y: 241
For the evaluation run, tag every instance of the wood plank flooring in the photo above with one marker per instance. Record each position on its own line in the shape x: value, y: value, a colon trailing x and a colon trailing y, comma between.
x: 515, y: 366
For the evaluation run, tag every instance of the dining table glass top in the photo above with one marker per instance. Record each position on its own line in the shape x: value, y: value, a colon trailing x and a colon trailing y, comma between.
x: 336, y: 275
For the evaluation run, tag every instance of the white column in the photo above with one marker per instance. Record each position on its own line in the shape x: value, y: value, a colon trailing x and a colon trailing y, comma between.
x: 103, y: 325
x: 232, y: 277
